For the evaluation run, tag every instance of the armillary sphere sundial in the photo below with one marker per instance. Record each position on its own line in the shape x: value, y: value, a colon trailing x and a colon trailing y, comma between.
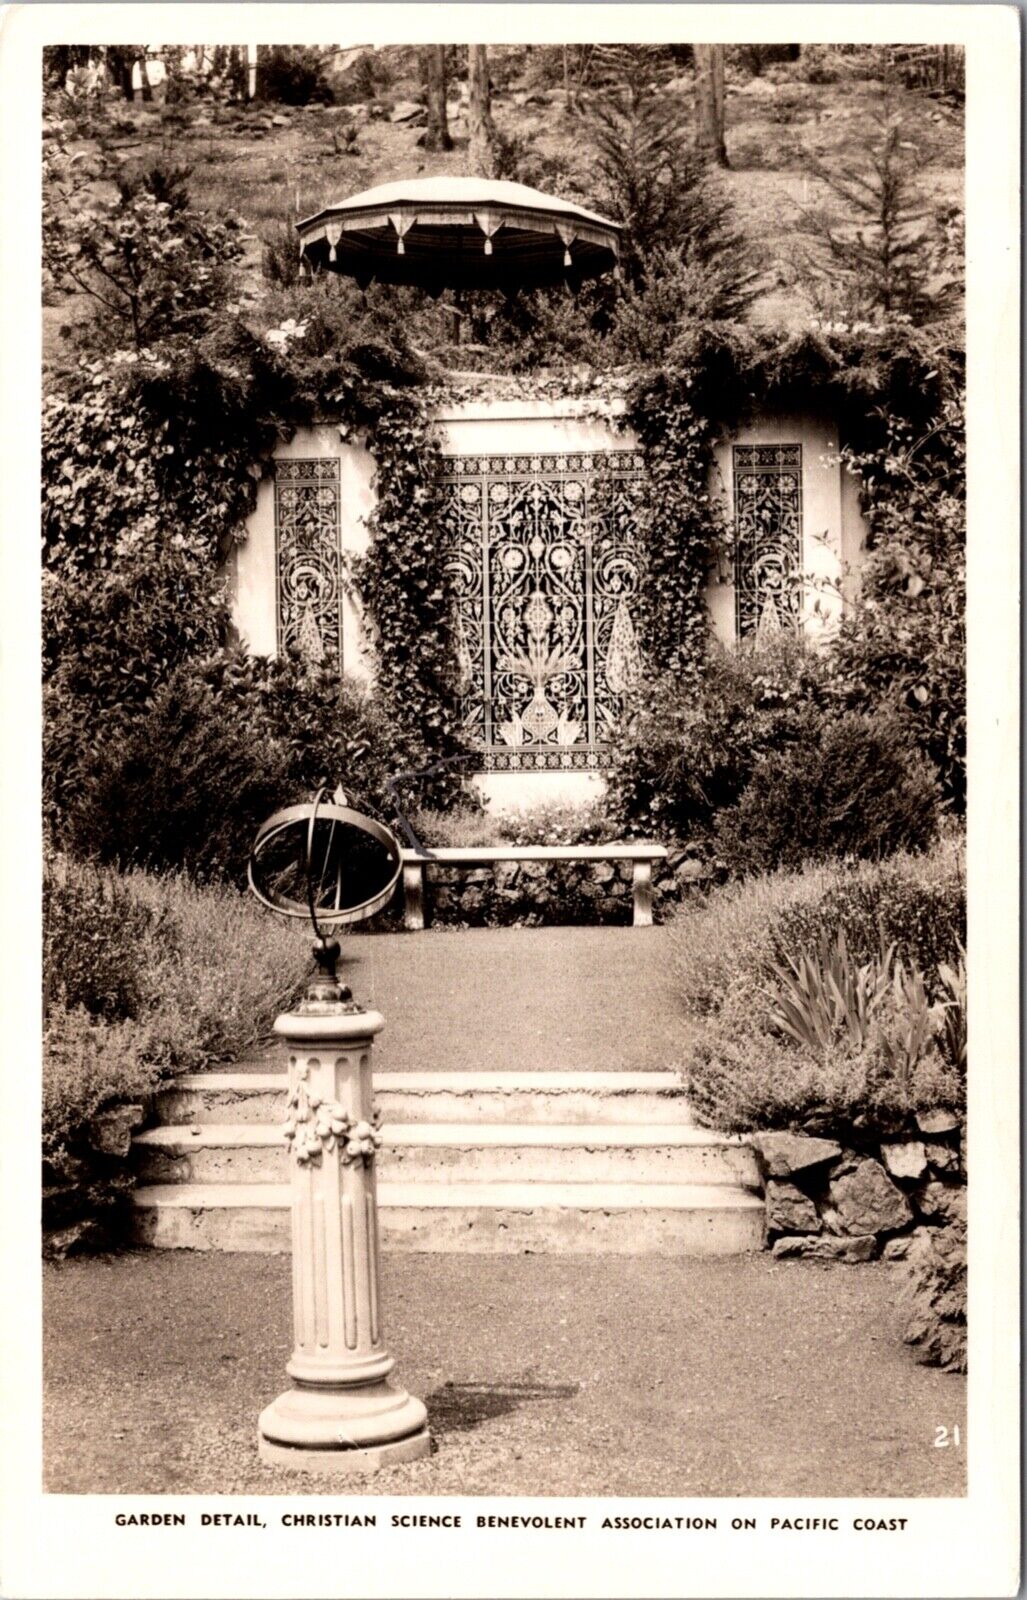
x: 329, y: 863
x: 343, y: 1414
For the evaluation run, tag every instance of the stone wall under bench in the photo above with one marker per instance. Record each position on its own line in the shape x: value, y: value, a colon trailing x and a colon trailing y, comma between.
x: 538, y: 893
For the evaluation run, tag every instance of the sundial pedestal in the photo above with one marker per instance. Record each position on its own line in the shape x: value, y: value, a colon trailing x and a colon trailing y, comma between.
x: 343, y: 1414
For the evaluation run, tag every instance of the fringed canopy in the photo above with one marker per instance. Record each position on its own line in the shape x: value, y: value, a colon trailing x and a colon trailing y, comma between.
x: 459, y: 233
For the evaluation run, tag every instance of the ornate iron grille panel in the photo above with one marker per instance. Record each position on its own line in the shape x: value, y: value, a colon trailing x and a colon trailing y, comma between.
x: 308, y: 558
x: 768, y: 527
x: 545, y: 571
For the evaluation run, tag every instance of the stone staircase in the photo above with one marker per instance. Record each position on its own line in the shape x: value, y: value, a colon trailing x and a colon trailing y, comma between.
x: 543, y: 1162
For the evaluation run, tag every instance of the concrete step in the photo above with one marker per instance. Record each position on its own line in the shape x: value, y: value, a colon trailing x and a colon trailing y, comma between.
x: 479, y: 1097
x: 547, y: 1218
x: 447, y: 1152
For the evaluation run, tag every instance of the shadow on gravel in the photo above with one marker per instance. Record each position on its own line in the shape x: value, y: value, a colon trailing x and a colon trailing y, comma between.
x: 458, y: 1407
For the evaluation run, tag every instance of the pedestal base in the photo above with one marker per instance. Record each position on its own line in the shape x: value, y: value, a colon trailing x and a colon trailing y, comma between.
x: 371, y: 1458
x: 356, y: 1429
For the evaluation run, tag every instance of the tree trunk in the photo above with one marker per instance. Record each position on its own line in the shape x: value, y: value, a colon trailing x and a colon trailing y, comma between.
x: 433, y: 76
x: 709, y: 102
x: 482, y: 130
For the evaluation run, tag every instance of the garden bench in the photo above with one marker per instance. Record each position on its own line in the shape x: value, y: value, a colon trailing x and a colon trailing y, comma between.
x: 641, y: 855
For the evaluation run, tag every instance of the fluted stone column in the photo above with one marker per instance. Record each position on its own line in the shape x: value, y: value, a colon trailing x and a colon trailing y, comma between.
x: 343, y: 1414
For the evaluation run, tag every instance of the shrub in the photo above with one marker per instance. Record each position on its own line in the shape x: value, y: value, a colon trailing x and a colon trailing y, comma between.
x: 744, y: 1072
x: 204, y: 969
x: 556, y: 823
x: 903, y: 644
x: 94, y: 935
x: 462, y: 828
x: 682, y: 758
x: 743, y: 1081
x: 176, y: 977
x: 728, y: 936
x: 924, y: 920
x: 918, y: 903
x: 149, y: 264
x: 86, y: 1064
x: 294, y: 75
x: 185, y: 785
x: 221, y: 971
x: 845, y: 785
x: 334, y: 729
x: 279, y: 254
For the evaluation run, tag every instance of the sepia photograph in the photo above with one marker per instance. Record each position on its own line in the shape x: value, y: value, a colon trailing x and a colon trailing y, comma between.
x: 504, y: 802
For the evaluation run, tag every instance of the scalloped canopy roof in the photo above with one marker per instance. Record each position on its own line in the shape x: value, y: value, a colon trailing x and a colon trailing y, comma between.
x: 463, y: 233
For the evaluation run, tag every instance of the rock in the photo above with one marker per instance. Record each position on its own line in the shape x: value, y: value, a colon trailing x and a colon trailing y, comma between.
x: 789, y: 1210
x: 896, y: 1249
x: 937, y: 1122
x: 110, y: 1131
x: 691, y: 871
x: 825, y: 1248
x: 759, y: 87
x: 935, y: 1297
x: 278, y: 121
x: 905, y: 1158
x: 943, y: 1157
x: 507, y: 874
x: 864, y: 1200
x: 781, y: 1154
x: 603, y: 872
x: 406, y: 111
x: 60, y: 1242
x: 942, y: 1202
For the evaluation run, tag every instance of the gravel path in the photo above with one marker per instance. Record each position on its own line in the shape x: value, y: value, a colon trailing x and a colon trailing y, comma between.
x: 518, y: 999
x: 560, y: 1375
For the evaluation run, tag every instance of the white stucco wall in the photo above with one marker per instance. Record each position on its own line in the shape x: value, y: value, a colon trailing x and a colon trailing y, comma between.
x: 833, y: 530
x: 822, y: 518
x: 252, y: 564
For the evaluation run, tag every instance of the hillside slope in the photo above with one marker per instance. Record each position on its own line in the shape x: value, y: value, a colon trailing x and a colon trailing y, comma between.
x: 270, y: 163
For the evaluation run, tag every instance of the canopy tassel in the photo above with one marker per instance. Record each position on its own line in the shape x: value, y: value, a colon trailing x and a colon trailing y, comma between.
x: 567, y: 258
x: 488, y: 246
x: 401, y: 248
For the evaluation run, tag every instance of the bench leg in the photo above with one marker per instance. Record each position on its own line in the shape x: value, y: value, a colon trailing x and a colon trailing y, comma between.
x: 642, y: 883
x: 413, y: 898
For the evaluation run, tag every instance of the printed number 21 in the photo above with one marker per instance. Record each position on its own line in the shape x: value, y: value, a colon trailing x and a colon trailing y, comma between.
x: 943, y: 1436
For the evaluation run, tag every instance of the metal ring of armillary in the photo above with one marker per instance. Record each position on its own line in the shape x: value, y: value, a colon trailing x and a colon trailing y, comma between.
x: 311, y: 813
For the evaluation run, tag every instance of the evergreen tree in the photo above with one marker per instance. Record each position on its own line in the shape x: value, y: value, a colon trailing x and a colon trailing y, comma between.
x: 670, y: 202
x: 888, y: 256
